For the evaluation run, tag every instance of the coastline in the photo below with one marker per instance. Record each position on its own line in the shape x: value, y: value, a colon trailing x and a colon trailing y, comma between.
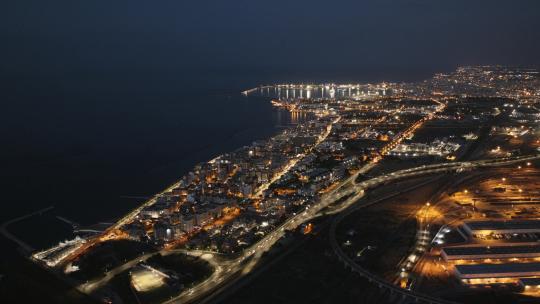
x: 161, y: 174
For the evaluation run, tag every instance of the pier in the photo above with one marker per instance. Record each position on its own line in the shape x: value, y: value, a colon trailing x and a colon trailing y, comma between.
x: 27, y: 249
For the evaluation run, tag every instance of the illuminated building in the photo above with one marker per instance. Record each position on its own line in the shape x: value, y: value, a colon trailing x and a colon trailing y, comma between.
x: 500, y: 251
x: 491, y: 271
x: 485, y: 228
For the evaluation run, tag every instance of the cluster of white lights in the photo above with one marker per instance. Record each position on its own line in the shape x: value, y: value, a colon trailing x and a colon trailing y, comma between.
x: 439, y: 237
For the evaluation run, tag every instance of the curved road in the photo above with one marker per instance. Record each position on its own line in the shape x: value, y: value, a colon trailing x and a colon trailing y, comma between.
x: 249, y: 258
x: 230, y: 270
x: 418, y: 297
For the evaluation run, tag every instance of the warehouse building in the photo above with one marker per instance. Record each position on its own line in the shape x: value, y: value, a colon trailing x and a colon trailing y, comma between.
x: 490, y: 227
x: 530, y: 284
x: 499, y: 251
x: 490, y: 273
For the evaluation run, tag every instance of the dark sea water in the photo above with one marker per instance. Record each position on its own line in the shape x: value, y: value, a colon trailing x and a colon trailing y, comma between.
x: 88, y: 145
x: 88, y: 142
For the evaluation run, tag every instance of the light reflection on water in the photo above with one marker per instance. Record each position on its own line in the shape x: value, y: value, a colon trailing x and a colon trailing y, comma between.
x: 308, y: 93
x: 210, y: 125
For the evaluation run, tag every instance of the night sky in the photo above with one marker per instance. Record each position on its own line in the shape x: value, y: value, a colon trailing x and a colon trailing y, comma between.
x: 390, y: 37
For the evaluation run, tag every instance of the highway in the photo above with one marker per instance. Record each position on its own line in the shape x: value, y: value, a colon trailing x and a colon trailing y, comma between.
x: 423, y: 170
x: 231, y: 270
x: 216, y: 277
x: 91, y: 286
x: 255, y: 251
x: 250, y: 256
x: 349, y: 189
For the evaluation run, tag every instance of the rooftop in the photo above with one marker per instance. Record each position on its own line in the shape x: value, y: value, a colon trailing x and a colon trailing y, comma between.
x: 503, y: 225
x: 492, y: 250
x: 530, y: 281
x: 498, y: 268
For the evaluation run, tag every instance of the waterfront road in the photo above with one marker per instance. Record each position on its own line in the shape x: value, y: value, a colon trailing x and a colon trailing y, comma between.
x: 227, y: 271
x: 248, y: 259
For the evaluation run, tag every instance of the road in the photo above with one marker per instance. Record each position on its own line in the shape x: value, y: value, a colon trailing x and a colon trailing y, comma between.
x: 249, y: 258
x: 94, y: 285
x: 295, y: 160
x: 228, y: 270
x: 91, y: 286
x: 255, y: 252
x: 423, y: 170
x: 233, y: 269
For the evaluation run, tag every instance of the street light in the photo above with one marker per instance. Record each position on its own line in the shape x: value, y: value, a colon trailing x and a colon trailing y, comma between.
x: 426, y: 213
